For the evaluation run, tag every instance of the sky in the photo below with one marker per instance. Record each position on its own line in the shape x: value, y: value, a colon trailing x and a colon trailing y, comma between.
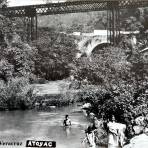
x: 30, y: 2
x: 24, y: 2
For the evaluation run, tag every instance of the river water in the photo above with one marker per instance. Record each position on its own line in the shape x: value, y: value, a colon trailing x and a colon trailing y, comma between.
x: 19, y: 126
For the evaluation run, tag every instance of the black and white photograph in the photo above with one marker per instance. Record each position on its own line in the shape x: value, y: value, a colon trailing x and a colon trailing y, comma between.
x: 73, y: 73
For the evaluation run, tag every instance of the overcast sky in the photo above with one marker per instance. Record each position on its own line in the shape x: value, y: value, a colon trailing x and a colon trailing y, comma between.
x: 30, y: 2
x: 24, y: 2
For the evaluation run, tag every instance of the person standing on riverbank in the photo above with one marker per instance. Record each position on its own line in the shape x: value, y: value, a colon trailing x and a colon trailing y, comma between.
x: 90, y: 136
x: 112, y: 134
x: 116, y: 134
x: 99, y: 132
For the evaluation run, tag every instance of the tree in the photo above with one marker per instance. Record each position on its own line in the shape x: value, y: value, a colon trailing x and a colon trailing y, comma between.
x: 55, y: 52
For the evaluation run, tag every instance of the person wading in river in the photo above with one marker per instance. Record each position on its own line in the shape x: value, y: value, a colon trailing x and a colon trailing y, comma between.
x: 67, y: 121
x: 67, y: 124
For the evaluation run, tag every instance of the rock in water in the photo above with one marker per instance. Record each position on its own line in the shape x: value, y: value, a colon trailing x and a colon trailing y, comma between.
x: 140, y: 141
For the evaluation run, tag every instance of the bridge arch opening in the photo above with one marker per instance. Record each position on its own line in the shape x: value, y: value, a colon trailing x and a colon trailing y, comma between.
x: 99, y: 48
x: 90, y: 45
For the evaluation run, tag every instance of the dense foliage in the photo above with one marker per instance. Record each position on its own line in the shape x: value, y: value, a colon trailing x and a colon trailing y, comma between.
x: 16, y: 94
x: 16, y: 68
x: 15, y: 73
x: 17, y: 60
x: 55, y: 53
x: 119, y: 85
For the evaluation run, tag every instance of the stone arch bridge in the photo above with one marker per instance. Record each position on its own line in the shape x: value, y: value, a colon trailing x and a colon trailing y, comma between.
x: 89, y: 42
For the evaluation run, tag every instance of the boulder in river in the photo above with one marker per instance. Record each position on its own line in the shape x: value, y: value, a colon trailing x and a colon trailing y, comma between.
x: 140, y: 141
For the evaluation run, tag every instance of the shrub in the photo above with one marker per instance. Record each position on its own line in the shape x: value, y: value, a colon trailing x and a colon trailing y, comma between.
x: 17, y: 94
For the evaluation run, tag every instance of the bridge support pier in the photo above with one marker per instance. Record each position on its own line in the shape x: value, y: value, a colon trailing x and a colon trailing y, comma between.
x: 31, y: 27
x: 31, y: 23
x: 113, y: 19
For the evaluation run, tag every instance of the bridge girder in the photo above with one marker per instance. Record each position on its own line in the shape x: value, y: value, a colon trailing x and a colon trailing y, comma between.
x: 71, y: 7
x: 111, y: 6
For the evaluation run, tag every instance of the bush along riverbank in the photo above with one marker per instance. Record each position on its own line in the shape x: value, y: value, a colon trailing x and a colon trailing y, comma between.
x: 16, y: 94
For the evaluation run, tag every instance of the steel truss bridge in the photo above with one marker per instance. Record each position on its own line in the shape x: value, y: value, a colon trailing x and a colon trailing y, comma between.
x: 112, y: 7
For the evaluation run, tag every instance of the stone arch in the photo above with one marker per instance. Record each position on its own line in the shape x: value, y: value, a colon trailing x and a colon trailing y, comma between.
x: 87, y: 45
x: 99, y: 47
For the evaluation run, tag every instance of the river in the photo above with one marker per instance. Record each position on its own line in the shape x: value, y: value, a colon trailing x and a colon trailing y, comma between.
x: 19, y: 126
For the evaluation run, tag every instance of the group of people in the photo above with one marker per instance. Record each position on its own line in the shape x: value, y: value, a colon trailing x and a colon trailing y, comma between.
x: 115, y: 132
